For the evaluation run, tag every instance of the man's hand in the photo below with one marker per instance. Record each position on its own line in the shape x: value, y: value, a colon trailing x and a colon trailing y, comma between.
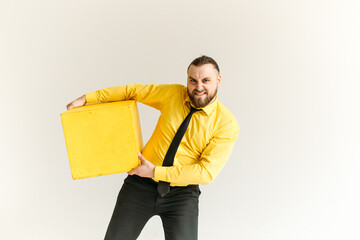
x: 81, y: 101
x: 146, y: 169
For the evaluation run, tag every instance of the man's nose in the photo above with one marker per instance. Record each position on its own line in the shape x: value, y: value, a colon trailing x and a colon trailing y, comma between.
x: 199, y: 87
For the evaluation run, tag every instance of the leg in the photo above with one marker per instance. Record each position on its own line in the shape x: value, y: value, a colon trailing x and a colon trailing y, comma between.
x: 134, y: 207
x: 179, y: 213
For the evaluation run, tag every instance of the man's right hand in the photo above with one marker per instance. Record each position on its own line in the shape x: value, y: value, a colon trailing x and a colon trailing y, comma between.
x: 81, y: 101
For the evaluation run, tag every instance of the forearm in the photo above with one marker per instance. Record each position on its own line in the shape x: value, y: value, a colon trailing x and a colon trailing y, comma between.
x: 211, y: 162
x: 110, y: 94
x: 188, y: 174
x: 151, y: 94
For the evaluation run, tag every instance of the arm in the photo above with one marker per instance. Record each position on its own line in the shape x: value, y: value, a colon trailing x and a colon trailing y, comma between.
x: 211, y: 162
x: 150, y: 94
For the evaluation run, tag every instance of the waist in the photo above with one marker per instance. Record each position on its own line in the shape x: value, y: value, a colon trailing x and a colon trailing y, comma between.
x: 155, y: 183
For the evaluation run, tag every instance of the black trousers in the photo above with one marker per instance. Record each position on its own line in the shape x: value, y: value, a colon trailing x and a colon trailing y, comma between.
x: 138, y: 201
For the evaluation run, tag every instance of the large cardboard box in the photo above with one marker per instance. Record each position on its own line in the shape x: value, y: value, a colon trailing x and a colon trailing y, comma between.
x: 102, y: 138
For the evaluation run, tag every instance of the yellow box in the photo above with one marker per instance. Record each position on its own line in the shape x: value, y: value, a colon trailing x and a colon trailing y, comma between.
x: 102, y: 138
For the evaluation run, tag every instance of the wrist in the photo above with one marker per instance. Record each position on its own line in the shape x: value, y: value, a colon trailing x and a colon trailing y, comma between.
x: 153, y: 171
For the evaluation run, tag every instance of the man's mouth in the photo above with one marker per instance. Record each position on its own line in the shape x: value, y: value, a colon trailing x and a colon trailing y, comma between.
x: 200, y: 93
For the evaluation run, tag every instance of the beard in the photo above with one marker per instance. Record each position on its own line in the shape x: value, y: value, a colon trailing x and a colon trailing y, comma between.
x: 201, y: 102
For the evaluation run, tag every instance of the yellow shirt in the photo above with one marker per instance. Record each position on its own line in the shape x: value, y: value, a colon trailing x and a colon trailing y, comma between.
x: 206, y: 145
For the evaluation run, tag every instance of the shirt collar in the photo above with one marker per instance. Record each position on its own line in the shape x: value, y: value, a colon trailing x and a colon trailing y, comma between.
x: 208, y: 108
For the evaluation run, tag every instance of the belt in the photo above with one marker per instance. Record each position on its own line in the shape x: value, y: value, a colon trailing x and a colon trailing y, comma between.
x: 151, y: 181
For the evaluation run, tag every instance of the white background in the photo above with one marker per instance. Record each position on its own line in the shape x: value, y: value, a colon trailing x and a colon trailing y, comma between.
x: 291, y: 76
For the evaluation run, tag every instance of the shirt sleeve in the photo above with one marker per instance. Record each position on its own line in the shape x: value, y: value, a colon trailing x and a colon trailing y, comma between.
x: 152, y: 95
x: 212, y: 160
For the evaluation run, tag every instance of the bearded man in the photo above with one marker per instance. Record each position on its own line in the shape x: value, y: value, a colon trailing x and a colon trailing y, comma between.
x: 191, y: 143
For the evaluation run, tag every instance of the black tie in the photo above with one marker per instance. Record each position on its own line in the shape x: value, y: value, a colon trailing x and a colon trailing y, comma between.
x: 164, y: 187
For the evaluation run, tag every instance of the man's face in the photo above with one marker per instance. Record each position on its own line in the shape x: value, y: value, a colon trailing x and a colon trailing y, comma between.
x: 202, y: 84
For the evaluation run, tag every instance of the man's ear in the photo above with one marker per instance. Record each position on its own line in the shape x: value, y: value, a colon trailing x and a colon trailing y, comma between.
x: 219, y: 80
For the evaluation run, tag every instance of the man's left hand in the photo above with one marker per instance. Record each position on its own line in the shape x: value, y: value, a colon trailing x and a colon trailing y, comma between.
x: 146, y: 169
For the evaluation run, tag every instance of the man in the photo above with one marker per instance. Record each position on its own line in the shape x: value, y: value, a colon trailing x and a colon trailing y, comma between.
x: 207, y: 137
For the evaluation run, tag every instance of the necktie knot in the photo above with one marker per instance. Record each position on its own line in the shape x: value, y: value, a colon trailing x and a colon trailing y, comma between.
x: 192, y: 109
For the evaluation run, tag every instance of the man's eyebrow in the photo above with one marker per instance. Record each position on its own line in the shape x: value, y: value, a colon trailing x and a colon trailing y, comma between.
x: 196, y: 80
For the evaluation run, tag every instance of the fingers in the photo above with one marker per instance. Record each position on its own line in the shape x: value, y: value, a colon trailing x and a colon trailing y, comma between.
x: 69, y: 106
x: 79, y: 102
x: 142, y: 159
x: 132, y: 172
x: 135, y: 170
x: 146, y: 169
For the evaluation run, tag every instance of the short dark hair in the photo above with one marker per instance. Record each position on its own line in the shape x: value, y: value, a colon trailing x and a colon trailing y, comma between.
x: 204, y: 60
